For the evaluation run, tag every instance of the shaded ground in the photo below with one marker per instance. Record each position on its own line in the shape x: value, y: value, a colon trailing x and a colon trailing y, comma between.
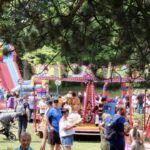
x: 87, y: 138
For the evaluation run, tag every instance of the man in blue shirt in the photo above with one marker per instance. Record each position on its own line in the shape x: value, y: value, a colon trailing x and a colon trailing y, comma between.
x: 53, y: 117
x: 122, y: 128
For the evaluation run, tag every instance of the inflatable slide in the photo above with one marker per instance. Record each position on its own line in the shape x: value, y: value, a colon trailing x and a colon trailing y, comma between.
x: 9, y: 70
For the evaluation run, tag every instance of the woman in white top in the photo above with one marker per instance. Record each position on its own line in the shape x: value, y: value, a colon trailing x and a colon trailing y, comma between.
x: 66, y: 130
x: 136, y: 137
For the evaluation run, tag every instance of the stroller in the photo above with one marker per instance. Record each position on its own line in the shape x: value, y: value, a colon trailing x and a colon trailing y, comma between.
x: 6, y: 122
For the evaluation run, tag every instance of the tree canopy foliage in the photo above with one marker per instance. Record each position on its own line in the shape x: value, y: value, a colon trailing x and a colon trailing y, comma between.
x: 83, y: 31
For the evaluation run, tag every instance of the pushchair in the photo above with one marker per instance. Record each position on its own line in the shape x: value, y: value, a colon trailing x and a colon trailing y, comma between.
x: 6, y: 123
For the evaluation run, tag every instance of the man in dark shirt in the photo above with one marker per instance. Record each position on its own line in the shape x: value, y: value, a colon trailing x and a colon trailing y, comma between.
x: 140, y: 99
x: 122, y: 128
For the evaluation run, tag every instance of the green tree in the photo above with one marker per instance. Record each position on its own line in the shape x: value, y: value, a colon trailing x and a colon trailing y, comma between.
x: 84, y: 31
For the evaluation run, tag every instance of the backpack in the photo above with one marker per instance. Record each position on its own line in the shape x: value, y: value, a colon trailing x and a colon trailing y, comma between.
x: 20, y: 108
x: 111, y: 127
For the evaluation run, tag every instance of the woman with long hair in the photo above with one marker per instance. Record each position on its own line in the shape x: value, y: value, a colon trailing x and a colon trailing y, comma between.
x: 136, y: 137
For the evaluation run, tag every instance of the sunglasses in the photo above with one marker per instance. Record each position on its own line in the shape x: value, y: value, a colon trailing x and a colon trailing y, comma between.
x: 65, y: 112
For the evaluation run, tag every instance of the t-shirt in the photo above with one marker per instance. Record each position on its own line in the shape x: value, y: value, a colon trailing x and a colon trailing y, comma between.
x: 42, y: 106
x: 29, y: 148
x: 62, y: 132
x: 120, y: 129
x: 54, y: 115
x: 31, y: 102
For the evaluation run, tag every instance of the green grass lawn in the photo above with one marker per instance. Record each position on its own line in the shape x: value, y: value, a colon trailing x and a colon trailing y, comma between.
x: 36, y: 141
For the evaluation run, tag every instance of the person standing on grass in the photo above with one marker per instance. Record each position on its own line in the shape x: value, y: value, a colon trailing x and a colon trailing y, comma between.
x: 31, y: 106
x: 101, y: 105
x: 117, y: 142
x: 136, y: 137
x: 22, y: 107
x: 53, y: 117
x: 66, y: 130
x: 74, y: 102
x: 104, y: 144
x: 45, y: 126
x: 134, y: 102
x: 140, y: 99
x: 42, y: 106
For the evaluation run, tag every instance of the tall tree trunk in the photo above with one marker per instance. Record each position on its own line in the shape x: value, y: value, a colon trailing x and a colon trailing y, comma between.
x: 26, y: 70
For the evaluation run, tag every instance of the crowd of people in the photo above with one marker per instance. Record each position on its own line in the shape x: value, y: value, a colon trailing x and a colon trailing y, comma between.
x: 59, y: 120
x: 117, y: 130
x: 60, y: 115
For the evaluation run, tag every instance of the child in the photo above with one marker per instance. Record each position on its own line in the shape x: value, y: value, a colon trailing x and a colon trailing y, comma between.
x: 25, y: 140
x: 136, y: 137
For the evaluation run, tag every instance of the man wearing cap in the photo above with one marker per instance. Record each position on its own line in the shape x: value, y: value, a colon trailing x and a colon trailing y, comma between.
x: 53, y: 117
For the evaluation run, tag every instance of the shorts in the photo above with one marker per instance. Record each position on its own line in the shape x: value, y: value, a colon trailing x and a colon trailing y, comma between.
x: 53, y: 138
x: 67, y: 140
